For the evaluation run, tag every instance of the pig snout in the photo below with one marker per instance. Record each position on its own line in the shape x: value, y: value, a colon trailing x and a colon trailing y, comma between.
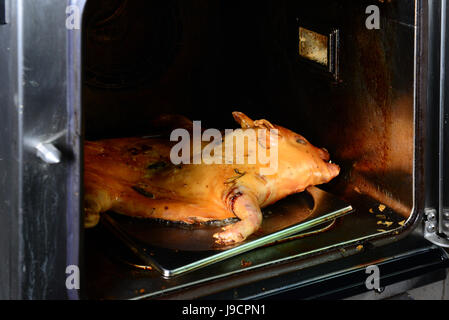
x: 334, y: 170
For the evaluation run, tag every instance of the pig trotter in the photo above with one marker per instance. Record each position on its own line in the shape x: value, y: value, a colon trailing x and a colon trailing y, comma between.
x: 247, y: 209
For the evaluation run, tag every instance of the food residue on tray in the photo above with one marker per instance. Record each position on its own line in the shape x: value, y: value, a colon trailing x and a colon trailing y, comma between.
x: 384, y: 219
x: 385, y: 223
x: 245, y: 263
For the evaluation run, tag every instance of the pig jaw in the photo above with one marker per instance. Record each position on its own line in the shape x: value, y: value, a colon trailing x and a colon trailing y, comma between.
x: 294, y: 179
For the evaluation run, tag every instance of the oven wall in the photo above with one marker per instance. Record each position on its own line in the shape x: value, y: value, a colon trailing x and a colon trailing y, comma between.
x: 234, y: 55
x: 366, y: 120
x: 242, y: 55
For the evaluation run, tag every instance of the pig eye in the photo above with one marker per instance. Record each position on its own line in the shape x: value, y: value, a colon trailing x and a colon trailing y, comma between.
x: 300, y: 141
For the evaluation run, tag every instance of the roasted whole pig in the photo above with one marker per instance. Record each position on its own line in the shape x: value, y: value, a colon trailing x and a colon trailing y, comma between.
x: 137, y: 177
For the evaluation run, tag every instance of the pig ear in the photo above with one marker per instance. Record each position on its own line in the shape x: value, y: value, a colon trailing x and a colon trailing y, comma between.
x: 243, y: 120
x: 263, y: 124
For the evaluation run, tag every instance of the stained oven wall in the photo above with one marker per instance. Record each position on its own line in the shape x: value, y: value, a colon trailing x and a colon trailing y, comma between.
x: 204, y: 59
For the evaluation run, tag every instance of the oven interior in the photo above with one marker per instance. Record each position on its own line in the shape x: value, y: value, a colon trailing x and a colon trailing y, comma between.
x: 204, y: 59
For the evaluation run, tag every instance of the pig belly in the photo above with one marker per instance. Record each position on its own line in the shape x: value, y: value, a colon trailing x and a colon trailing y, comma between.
x: 135, y: 177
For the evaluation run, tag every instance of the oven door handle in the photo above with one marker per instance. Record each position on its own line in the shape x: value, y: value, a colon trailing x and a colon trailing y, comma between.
x: 48, y: 153
x: 45, y: 147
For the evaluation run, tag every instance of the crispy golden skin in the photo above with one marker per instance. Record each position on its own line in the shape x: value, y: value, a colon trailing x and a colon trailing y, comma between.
x: 135, y: 177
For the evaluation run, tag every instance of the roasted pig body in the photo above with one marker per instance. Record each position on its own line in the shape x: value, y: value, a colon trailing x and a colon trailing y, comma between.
x: 137, y: 177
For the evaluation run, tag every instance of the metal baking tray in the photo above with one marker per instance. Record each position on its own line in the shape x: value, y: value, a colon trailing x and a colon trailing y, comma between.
x: 175, y: 249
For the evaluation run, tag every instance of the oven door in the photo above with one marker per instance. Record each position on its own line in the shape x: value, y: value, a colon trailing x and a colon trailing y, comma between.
x: 436, y: 225
x: 40, y: 153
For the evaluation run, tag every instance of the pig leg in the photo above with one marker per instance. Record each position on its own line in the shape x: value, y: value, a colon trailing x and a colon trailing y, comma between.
x: 247, y: 209
x: 99, y: 194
